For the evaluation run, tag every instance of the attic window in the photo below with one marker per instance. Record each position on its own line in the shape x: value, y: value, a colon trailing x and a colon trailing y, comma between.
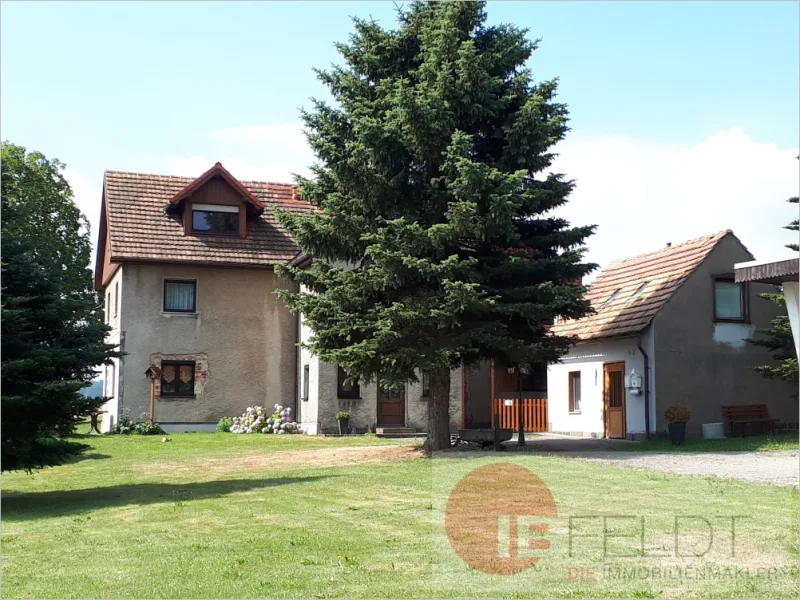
x: 639, y: 290
x: 612, y: 297
x: 215, y: 219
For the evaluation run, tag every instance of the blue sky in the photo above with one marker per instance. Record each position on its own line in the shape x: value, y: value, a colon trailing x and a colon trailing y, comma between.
x: 684, y: 114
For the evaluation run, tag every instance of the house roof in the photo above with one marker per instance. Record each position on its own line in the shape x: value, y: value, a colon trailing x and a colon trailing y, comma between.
x: 618, y: 312
x: 142, y: 229
x: 768, y: 271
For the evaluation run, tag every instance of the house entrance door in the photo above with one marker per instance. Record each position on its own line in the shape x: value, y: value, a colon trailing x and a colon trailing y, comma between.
x: 614, y: 399
x: 391, y: 406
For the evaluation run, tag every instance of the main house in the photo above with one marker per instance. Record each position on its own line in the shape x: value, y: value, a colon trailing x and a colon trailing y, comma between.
x: 186, y: 269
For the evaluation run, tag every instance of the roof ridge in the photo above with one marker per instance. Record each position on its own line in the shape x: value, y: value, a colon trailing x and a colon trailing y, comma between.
x: 702, y: 238
x: 189, y: 178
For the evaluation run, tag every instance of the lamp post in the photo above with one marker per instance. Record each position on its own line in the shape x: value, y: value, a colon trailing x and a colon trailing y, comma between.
x: 520, y: 412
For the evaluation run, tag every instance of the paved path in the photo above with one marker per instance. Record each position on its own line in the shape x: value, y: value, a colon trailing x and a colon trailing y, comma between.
x: 770, y: 467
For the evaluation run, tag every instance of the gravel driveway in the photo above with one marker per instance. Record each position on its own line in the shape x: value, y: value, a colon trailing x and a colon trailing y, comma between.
x: 775, y: 467
x: 780, y: 467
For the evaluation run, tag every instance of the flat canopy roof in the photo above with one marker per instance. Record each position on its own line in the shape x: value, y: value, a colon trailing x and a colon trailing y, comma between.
x: 768, y: 271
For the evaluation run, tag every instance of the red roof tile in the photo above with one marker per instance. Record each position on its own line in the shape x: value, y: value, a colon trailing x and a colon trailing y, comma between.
x: 663, y: 272
x: 141, y: 229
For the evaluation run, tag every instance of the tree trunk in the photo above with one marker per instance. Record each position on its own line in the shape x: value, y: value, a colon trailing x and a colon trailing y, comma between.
x: 439, y: 411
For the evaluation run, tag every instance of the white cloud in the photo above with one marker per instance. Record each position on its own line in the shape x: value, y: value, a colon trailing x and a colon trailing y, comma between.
x: 643, y: 195
x: 281, y: 136
x: 258, y: 152
x: 88, y: 197
x: 640, y: 194
x: 241, y: 168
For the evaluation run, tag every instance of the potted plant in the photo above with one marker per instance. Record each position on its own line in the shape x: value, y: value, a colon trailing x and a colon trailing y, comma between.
x: 677, y: 415
x: 343, y: 418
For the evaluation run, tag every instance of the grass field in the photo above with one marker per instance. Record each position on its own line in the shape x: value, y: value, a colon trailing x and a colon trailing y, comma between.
x: 221, y: 515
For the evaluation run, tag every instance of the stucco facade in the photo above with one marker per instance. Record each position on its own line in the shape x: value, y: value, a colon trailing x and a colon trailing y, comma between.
x: 706, y: 364
x: 240, y: 338
x: 113, y: 374
x: 318, y: 405
x: 588, y: 359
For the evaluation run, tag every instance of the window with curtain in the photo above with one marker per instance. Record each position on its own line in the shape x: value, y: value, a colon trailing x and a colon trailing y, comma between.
x: 180, y: 296
x: 728, y: 300
x: 347, y: 387
x: 426, y: 384
x: 177, y: 378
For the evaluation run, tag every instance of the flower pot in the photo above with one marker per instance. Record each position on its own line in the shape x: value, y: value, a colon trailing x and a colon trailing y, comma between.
x: 343, y: 426
x: 677, y: 433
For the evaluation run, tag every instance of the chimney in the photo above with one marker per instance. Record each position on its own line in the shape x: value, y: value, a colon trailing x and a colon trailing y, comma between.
x: 669, y: 244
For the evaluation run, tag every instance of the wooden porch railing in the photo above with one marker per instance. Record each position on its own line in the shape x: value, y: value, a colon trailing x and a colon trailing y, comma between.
x: 534, y: 409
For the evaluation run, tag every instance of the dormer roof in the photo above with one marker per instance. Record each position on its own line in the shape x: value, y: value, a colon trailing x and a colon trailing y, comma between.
x: 217, y: 171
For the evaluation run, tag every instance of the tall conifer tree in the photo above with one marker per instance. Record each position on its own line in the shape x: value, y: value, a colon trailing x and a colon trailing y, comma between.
x: 434, y: 243
x: 53, y: 330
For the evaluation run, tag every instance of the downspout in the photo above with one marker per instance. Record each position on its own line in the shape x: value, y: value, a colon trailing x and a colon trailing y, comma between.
x: 646, y: 388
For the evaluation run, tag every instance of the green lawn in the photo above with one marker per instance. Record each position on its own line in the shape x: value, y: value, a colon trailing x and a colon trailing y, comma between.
x: 784, y: 441
x: 221, y: 515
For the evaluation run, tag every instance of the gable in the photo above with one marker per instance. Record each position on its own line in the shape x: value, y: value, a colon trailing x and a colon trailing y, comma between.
x: 214, y: 180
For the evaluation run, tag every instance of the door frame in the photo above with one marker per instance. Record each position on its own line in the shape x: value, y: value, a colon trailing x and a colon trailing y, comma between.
x: 378, y: 408
x: 624, y: 399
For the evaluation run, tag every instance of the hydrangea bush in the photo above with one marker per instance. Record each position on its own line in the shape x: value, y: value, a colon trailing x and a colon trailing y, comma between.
x: 258, y: 420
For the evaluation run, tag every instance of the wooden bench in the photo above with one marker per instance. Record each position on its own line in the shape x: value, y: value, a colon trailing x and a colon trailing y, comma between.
x: 742, y: 414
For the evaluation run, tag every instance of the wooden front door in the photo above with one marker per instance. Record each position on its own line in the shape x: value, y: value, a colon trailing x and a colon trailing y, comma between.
x: 391, y: 406
x: 614, y: 399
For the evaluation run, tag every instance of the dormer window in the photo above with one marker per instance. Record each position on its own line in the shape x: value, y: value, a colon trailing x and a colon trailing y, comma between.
x: 216, y: 219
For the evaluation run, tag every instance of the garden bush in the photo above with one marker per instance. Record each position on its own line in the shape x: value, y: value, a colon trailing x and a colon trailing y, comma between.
x: 225, y: 424
x: 126, y: 425
x: 257, y: 419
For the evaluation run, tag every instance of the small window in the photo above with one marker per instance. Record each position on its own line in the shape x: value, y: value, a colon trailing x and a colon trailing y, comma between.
x: 346, y: 386
x: 112, y: 370
x: 639, y: 290
x: 177, y: 378
x: 116, y: 299
x: 180, y: 295
x: 215, y: 219
x: 108, y: 307
x: 426, y: 384
x: 306, y: 379
x: 728, y: 300
x: 612, y: 297
x: 534, y: 379
x: 575, y: 391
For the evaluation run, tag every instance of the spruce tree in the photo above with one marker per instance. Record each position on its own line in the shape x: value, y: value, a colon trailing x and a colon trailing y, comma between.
x: 434, y: 244
x: 778, y: 338
x: 53, y: 330
x: 793, y: 225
